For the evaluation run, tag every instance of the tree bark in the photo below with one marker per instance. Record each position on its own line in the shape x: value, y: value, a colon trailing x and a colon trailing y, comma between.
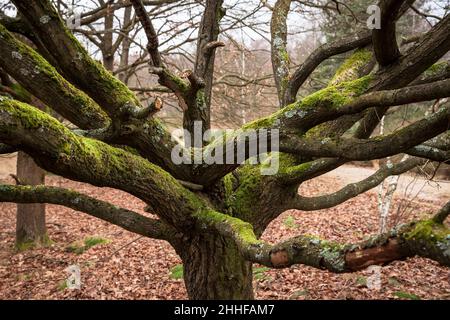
x: 126, y: 43
x: 30, y: 224
x: 214, y: 269
x: 108, y: 54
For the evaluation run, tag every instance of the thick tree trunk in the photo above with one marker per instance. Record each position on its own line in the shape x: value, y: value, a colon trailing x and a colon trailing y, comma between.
x: 214, y: 269
x: 30, y: 224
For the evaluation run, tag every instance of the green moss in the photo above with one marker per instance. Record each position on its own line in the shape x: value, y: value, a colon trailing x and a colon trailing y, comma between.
x: 250, y: 184
x: 266, y: 122
x: 30, y: 118
x: 23, y: 246
x: 356, y: 87
x: 182, y: 84
x: 88, y: 242
x: 287, y: 163
x: 62, y: 285
x: 428, y: 230
x: 90, y: 147
x: 228, y: 183
x: 349, y: 70
x: 361, y: 280
x: 333, y: 258
x: 75, y: 248
x: 406, y: 295
x: 289, y: 222
x: 129, y: 149
x: 331, y: 97
x: 33, y: 118
x: 45, y: 241
x: 259, y: 274
x: 176, y: 272
x: 315, y: 132
x: 247, y: 183
x: 337, y: 95
x: 242, y: 230
x: 284, y: 55
x: 296, y: 169
x: 93, y: 241
x: 41, y: 65
x: 333, y: 246
x: 200, y: 99
x: 332, y: 253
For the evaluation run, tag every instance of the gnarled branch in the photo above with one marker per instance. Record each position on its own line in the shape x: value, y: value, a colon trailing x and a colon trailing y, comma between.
x: 353, y: 189
x: 423, y: 238
x: 124, y: 218
x: 58, y: 150
x: 32, y: 70
x: 374, y: 148
x: 317, y: 57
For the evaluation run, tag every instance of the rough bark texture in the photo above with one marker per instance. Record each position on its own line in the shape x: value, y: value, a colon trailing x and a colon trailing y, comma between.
x: 279, y: 54
x: 214, y: 269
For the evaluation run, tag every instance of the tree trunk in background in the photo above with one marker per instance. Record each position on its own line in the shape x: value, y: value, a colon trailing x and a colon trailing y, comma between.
x: 108, y: 55
x: 126, y: 43
x: 30, y: 224
x: 214, y: 269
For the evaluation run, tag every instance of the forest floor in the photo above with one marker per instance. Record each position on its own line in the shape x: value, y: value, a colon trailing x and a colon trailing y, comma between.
x: 130, y: 267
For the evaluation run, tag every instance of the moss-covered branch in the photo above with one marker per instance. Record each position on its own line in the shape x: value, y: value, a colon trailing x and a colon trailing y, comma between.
x: 423, y: 238
x: 354, y: 67
x: 149, y: 136
x: 332, y: 103
x: 127, y: 219
x: 373, y: 148
x: 58, y: 150
x: 318, y: 56
x: 437, y: 72
x: 415, y: 61
x: 32, y: 71
x: 349, y: 83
